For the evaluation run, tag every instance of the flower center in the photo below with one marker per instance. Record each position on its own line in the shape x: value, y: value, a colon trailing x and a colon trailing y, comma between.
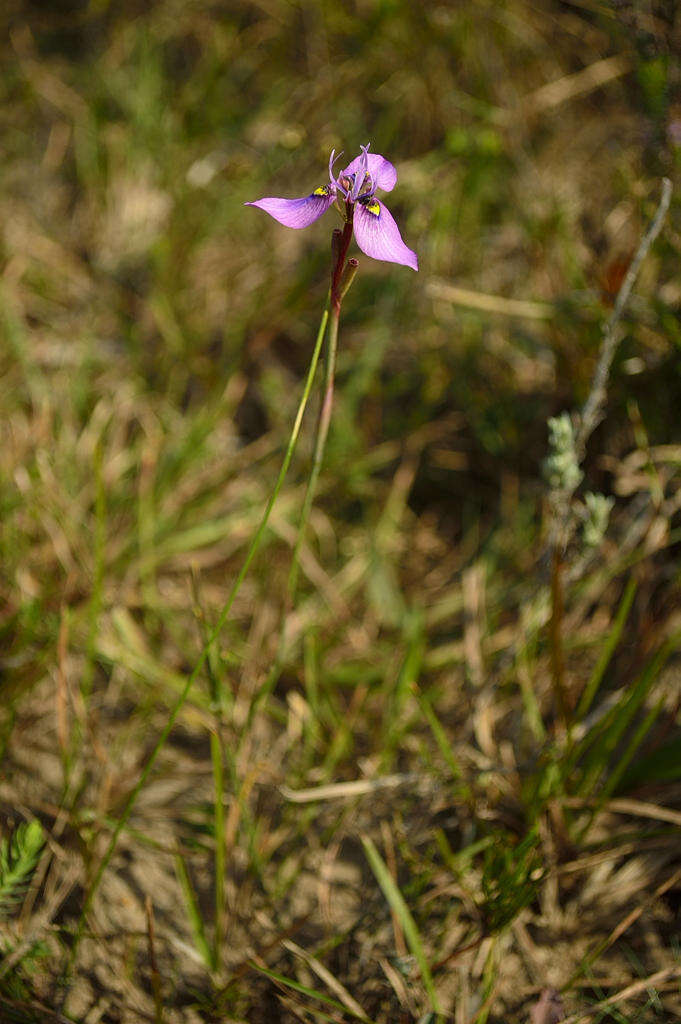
x: 372, y: 206
x: 348, y: 184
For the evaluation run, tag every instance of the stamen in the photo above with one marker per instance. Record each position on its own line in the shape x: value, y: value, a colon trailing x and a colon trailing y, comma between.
x: 371, y: 188
x: 332, y: 160
x: 359, y: 178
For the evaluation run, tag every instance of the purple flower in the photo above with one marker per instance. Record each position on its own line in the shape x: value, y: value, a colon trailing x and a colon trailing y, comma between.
x: 376, y: 232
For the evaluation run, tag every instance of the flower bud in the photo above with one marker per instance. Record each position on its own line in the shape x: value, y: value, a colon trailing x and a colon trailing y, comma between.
x: 348, y: 276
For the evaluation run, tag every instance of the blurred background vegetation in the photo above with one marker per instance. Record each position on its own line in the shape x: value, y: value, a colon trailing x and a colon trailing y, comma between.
x: 155, y: 334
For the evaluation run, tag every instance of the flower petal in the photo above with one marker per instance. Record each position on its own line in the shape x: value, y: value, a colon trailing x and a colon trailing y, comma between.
x: 383, y: 174
x: 361, y: 176
x: 298, y: 213
x: 334, y: 183
x: 378, y: 235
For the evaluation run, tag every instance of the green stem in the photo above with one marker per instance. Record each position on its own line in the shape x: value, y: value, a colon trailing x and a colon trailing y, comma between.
x: 322, y: 431
x: 98, y: 578
x: 343, y: 274
x: 219, y: 825
x: 217, y: 702
x: 320, y: 445
x: 236, y: 586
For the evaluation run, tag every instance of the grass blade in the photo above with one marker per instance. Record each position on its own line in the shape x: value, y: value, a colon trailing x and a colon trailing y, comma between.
x: 311, y: 993
x: 611, y: 643
x: 401, y: 911
x: 605, y: 736
x: 440, y: 738
x: 195, y: 919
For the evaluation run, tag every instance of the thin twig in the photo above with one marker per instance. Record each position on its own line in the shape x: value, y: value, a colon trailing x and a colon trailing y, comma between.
x: 342, y: 790
x: 593, y: 409
x: 592, y: 412
x: 561, y: 497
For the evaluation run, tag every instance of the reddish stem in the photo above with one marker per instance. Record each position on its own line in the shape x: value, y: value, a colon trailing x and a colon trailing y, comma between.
x: 346, y: 237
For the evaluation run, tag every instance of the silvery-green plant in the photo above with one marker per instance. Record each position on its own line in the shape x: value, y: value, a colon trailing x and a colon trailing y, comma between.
x: 561, y: 466
x: 597, y: 509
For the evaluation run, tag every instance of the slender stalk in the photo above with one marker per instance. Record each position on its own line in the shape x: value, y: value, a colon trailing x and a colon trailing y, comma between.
x: 236, y: 586
x: 98, y: 578
x: 219, y: 829
x: 217, y: 695
x: 340, y: 282
x: 320, y: 445
x: 342, y: 276
x: 592, y: 413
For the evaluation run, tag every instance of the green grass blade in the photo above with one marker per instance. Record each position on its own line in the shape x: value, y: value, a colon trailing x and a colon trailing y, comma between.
x: 441, y: 739
x: 193, y: 911
x: 529, y: 697
x: 396, y: 720
x: 606, y: 734
x: 219, y: 828
x: 99, y: 554
x: 611, y: 643
x: 311, y: 993
x: 637, y: 739
x: 401, y: 911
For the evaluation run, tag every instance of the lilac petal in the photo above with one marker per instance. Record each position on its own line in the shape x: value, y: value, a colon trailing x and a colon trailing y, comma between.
x: 383, y: 174
x: 336, y: 184
x: 361, y: 175
x: 298, y: 213
x: 378, y: 235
